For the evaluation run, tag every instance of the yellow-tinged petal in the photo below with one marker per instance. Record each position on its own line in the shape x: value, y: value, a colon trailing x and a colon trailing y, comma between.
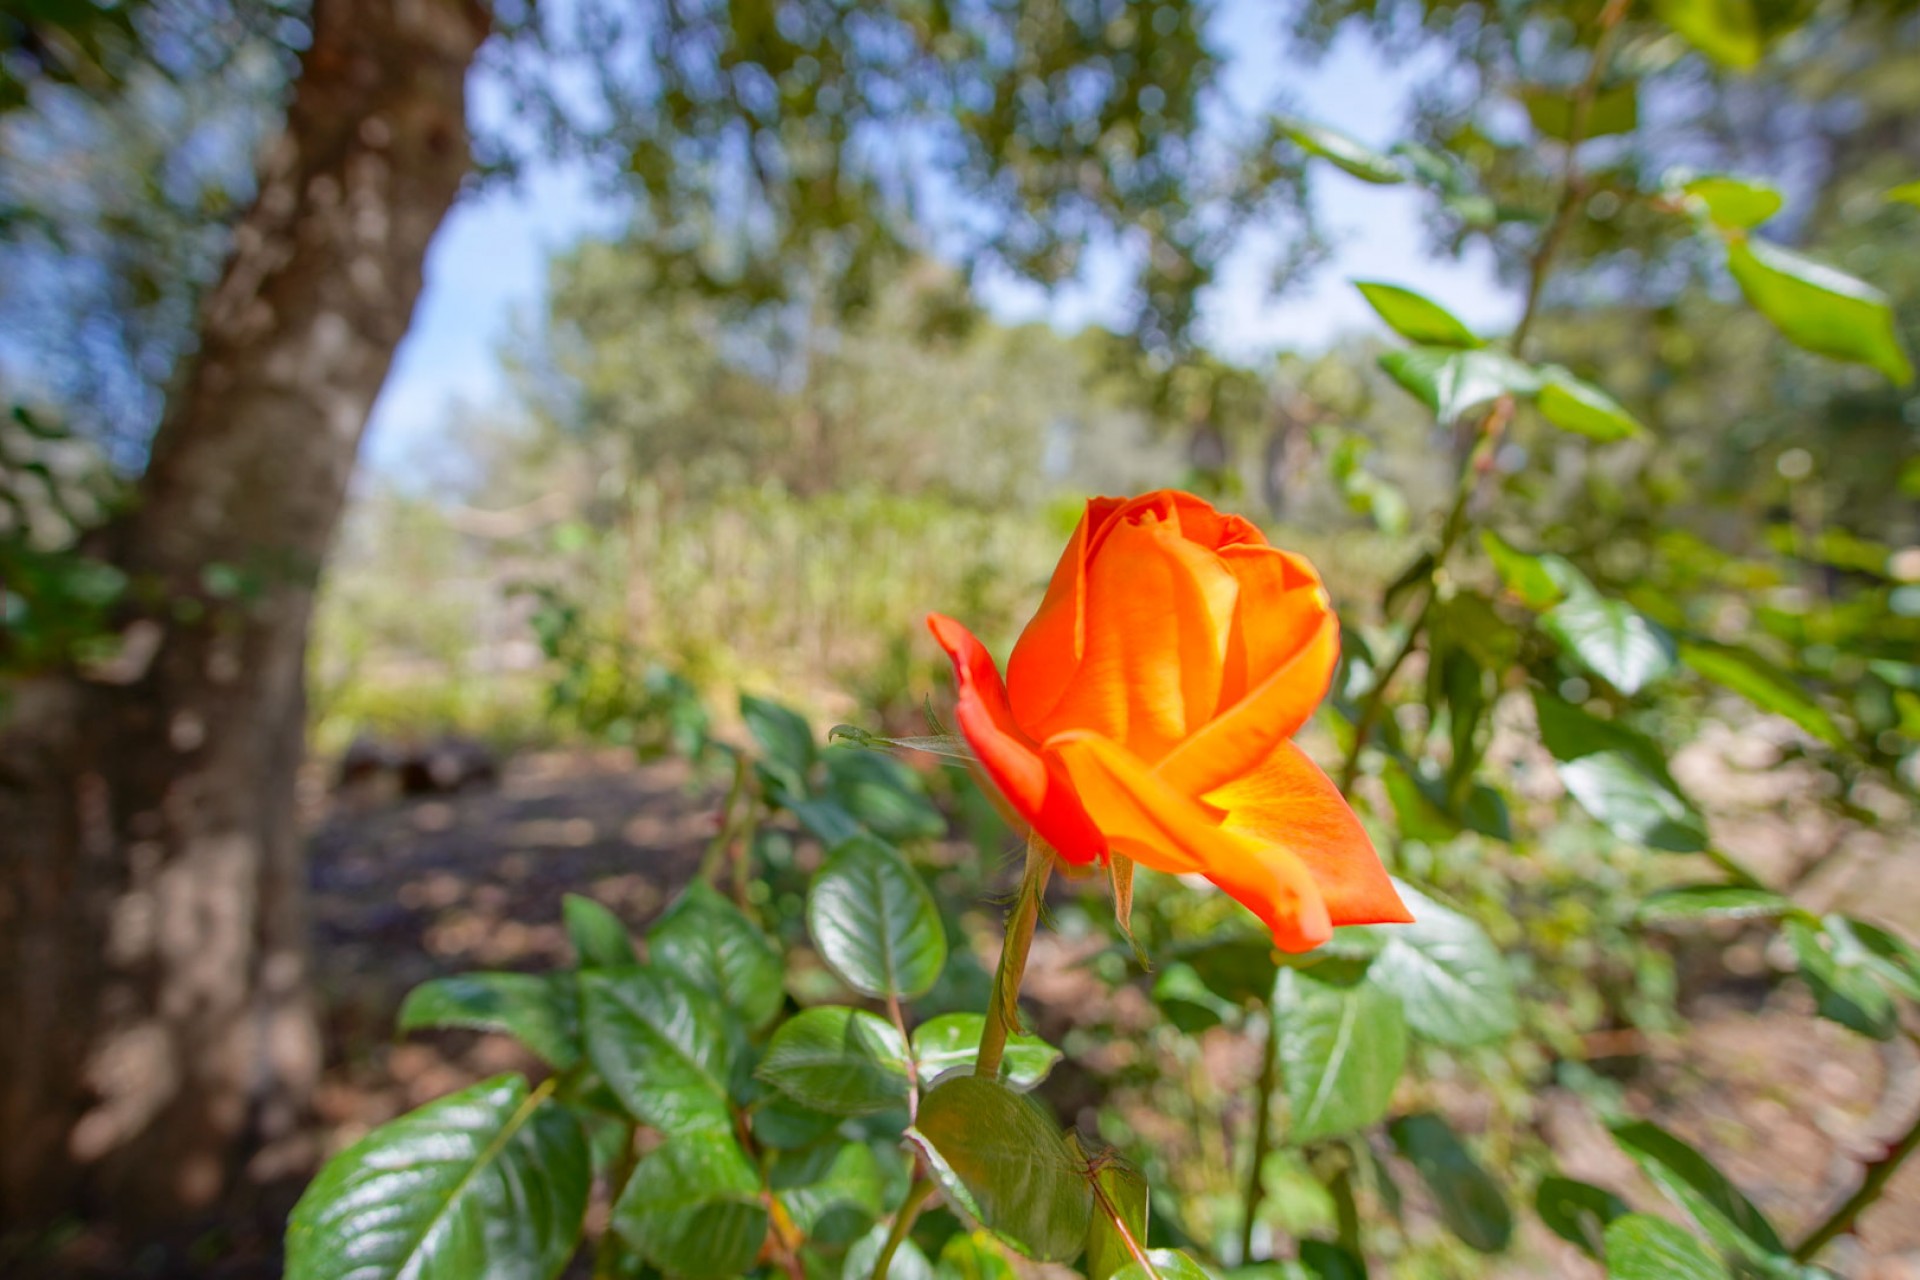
x: 1144, y: 818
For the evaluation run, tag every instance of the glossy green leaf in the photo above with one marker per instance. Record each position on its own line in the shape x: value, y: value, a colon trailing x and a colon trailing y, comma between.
x: 1187, y: 1001
x: 1697, y: 1187
x: 539, y: 1010
x: 1524, y: 575
x: 1584, y: 409
x: 661, y: 1045
x: 1764, y: 685
x: 1712, y: 902
x: 1450, y: 382
x: 1633, y: 803
x: 1571, y: 733
x: 1816, y: 307
x: 1350, y: 156
x: 1001, y: 1160
x: 709, y: 942
x: 1614, y: 110
x: 1610, y: 638
x: 600, y: 940
x: 1342, y: 1047
x: 490, y: 1181
x: 1577, y: 1212
x: 784, y: 736
x: 952, y: 1041
x: 1239, y: 969
x: 833, y: 1192
x: 843, y: 1061
x: 1845, y: 978
x: 693, y: 1208
x: 874, y: 922
x: 1416, y: 317
x: 1727, y: 31
x: 884, y: 795
x: 783, y: 1124
x: 1121, y: 1203
x: 1893, y: 957
x: 1640, y: 1246
x: 1451, y: 981
x: 1469, y: 1200
x: 1167, y: 1264
x: 1734, y: 202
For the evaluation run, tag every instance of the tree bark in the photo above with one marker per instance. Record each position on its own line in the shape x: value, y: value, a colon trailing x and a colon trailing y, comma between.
x: 156, y: 1030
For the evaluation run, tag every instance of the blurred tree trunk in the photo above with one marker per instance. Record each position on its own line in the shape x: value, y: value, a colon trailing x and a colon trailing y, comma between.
x: 153, y: 952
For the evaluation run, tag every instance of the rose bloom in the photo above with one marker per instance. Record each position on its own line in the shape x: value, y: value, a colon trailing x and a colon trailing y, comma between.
x: 1149, y: 708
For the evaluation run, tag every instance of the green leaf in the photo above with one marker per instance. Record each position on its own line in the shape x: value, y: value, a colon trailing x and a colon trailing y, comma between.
x: 1896, y: 960
x: 1168, y: 1264
x: 784, y: 736
x: 1577, y: 1212
x: 1342, y: 1047
x: 833, y: 1192
x: 973, y: 1255
x: 693, y: 1208
x: 599, y: 940
x: 712, y: 944
x: 1451, y: 981
x: 1330, y: 1262
x: 1725, y: 30
x: 1122, y: 1197
x: 1764, y: 685
x: 488, y: 1181
x: 1614, y: 110
x: 1450, y: 382
x: 1609, y: 637
x: 1816, y: 307
x: 1844, y: 975
x: 1525, y: 575
x: 1415, y: 317
x: 953, y: 1040
x: 1642, y: 1247
x: 1237, y: 969
x: 1584, y: 409
x: 884, y: 795
x: 1740, y: 203
x: 1632, y: 803
x: 1570, y: 733
x: 1712, y: 902
x: 843, y: 1061
x: 661, y: 1045
x: 1346, y: 154
x: 1698, y: 1188
x: 785, y: 1125
x: 539, y: 1010
x: 874, y: 922
x: 1187, y: 1001
x: 1905, y: 193
x: 1470, y: 1202
x: 1002, y: 1161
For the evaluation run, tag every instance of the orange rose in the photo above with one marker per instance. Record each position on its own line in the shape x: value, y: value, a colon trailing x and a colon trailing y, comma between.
x: 1148, y: 709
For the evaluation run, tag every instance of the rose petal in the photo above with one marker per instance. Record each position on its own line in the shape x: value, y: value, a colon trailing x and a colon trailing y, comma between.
x: 1287, y: 801
x: 1148, y: 821
x: 1007, y: 756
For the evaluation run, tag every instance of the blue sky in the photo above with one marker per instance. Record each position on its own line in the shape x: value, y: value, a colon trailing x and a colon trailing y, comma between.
x: 488, y: 264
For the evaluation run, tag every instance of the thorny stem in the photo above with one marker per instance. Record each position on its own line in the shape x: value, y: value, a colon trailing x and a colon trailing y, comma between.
x: 1003, y: 1007
x: 1479, y: 460
x: 916, y: 1200
x: 1262, y: 1133
x: 723, y: 839
x: 1872, y: 1182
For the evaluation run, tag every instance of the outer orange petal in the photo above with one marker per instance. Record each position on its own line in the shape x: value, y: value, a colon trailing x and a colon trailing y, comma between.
x: 1158, y: 611
x: 1048, y: 652
x: 1007, y: 756
x: 1147, y: 820
x: 1289, y: 802
x: 1241, y: 738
